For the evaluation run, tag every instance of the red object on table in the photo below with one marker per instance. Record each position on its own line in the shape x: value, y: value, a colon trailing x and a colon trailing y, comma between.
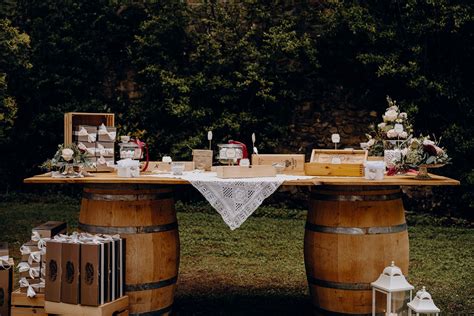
x: 244, y: 148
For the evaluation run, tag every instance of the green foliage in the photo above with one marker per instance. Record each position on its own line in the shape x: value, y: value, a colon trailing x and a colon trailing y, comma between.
x: 14, y: 47
x: 171, y: 72
x: 233, y: 69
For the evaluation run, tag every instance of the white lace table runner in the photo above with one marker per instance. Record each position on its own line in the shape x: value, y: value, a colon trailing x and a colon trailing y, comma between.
x: 234, y: 199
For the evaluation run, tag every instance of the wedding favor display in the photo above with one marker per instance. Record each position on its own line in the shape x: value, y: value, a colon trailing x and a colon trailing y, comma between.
x: 94, y: 134
x: 336, y: 163
x: 32, y: 266
x: 6, y: 278
x: 85, y: 269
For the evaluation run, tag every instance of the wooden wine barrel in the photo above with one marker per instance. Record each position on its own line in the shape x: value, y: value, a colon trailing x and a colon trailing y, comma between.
x: 146, y: 218
x: 352, y: 234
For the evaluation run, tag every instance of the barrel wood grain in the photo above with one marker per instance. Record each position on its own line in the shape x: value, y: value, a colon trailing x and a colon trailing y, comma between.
x: 145, y: 216
x: 351, y: 235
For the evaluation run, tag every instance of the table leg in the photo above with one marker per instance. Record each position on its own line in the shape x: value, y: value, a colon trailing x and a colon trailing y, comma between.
x: 352, y: 233
x: 145, y: 217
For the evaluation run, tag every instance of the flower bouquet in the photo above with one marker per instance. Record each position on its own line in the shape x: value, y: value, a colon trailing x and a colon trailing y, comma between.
x: 386, y: 139
x: 68, y: 161
x: 421, y: 153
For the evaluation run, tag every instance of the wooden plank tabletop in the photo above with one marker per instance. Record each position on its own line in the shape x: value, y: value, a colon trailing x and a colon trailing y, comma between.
x: 109, y: 177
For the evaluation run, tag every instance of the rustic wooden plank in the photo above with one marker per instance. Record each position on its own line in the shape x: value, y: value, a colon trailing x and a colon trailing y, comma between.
x: 110, y: 308
x: 21, y: 299
x: 317, y: 180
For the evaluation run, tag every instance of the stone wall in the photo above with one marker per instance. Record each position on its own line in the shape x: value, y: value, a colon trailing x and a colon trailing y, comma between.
x: 314, y: 123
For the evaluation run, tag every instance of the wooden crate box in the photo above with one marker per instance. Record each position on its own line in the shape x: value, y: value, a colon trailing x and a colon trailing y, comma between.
x: 73, y: 119
x: 329, y: 162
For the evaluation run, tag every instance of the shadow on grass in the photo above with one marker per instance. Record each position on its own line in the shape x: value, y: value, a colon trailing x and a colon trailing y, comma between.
x: 223, y: 303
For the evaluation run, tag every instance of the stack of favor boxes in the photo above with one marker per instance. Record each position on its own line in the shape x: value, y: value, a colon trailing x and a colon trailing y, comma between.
x: 98, y: 143
x: 85, y: 269
x: 33, y: 255
x: 6, y: 277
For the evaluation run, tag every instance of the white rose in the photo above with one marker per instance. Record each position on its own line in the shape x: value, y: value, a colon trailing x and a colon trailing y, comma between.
x: 67, y: 154
x: 390, y: 115
x: 428, y: 142
x: 392, y: 134
x: 393, y: 108
x: 403, y: 115
x: 403, y: 134
x: 371, y: 142
x: 382, y: 125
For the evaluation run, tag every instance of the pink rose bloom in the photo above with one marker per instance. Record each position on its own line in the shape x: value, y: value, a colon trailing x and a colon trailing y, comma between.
x: 403, y: 115
x: 390, y: 115
x: 403, y: 134
x: 392, y: 134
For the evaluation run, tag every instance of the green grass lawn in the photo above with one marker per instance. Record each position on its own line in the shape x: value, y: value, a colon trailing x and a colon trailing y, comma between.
x: 259, y: 268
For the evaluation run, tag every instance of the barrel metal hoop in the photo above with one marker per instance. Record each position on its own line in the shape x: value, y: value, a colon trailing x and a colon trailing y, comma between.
x: 127, y: 229
x: 155, y: 312
x: 331, y: 313
x: 127, y: 197
x: 340, y: 285
x: 356, y: 230
x: 355, y: 198
x: 151, y: 285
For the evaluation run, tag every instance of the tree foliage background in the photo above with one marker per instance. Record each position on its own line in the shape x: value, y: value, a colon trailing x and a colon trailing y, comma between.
x: 171, y: 71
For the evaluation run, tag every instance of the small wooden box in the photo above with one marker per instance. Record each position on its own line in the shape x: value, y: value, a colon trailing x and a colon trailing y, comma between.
x: 327, y: 162
x: 202, y: 159
x: 294, y: 163
x: 158, y: 166
x: 227, y: 172
x: 73, y: 119
x: 23, y: 305
x: 117, y: 307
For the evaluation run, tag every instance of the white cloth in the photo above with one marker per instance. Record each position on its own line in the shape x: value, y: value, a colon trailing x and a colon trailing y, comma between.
x: 234, y: 199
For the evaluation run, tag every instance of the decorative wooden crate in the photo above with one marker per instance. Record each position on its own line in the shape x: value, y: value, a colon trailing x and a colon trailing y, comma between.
x: 23, y: 305
x: 294, y: 163
x: 327, y: 162
x: 117, y: 307
x: 226, y: 172
x: 73, y: 119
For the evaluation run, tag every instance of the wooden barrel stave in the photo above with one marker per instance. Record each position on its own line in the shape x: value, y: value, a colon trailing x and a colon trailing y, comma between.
x: 350, y: 237
x: 146, y: 218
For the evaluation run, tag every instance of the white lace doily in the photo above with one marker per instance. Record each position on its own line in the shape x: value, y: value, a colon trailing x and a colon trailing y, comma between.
x: 234, y: 199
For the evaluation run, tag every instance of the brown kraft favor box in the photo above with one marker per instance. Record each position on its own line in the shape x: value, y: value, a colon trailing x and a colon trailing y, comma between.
x: 50, y: 229
x: 94, y: 273
x: 6, y: 277
x: 53, y: 271
x: 104, y: 149
x: 85, y: 133
x: 70, y: 273
x: 107, y: 137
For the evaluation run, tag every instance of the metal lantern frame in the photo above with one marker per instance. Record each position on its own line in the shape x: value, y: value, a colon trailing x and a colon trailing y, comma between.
x: 422, y: 304
x: 391, y: 281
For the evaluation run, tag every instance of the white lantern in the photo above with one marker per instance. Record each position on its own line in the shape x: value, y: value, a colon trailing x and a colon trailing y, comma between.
x: 423, y: 304
x: 391, y: 292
